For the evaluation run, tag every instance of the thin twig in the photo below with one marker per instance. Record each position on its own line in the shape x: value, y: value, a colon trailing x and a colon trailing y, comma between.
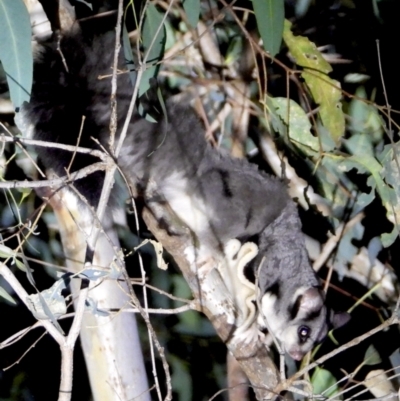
x: 25, y: 352
x: 23, y: 296
x: 56, y: 182
x: 54, y: 145
x: 113, y: 98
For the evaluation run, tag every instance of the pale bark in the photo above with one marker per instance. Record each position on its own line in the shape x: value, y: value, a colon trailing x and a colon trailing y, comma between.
x: 110, y: 344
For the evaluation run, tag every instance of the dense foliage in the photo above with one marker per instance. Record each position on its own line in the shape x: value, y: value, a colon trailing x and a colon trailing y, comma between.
x: 322, y: 112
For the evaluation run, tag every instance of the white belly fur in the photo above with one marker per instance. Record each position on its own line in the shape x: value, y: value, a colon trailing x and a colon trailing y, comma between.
x: 189, y: 208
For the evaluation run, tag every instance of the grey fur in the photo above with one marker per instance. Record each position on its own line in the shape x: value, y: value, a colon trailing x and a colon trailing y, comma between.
x: 219, y: 198
x: 239, y: 201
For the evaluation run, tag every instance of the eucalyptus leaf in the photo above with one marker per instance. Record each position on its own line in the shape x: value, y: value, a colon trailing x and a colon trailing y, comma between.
x: 395, y: 360
x: 181, y: 378
x: 113, y: 272
x: 92, y: 306
x: 274, y: 119
x: 192, y: 10
x: 327, y: 143
x: 356, y: 78
x: 302, y: 7
x: 4, y: 294
x: 191, y: 323
x: 128, y: 54
x: 270, y: 17
x: 325, y: 91
x: 28, y: 271
x: 359, y: 144
x: 6, y: 252
x: 181, y: 288
x: 59, y: 307
x: 86, y: 3
x: 380, y: 385
x: 324, y: 383
x: 390, y: 159
x: 367, y: 164
x: 235, y: 50
x: 346, y: 250
x: 388, y: 238
x: 304, y: 51
x: 331, y: 175
x: 20, y: 265
x: 153, y: 36
x: 16, y: 50
x: 25, y: 193
x: 299, y: 127
x: 374, y: 247
x: 92, y: 273
x: 364, y: 117
x: 49, y: 304
x: 372, y: 356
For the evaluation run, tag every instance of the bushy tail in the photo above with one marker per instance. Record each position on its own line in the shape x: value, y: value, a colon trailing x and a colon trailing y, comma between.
x: 70, y: 102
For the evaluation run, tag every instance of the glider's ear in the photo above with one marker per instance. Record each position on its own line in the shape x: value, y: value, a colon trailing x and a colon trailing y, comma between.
x: 339, y: 319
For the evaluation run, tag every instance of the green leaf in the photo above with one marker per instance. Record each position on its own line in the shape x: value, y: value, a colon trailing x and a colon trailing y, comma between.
x: 304, y: 51
x: 274, y: 119
x: 16, y: 50
x: 372, y: 356
x: 346, y: 251
x: 6, y: 252
x: 154, y: 36
x: 93, y: 273
x: 190, y: 322
x: 49, y: 312
x: 235, y: 50
x: 302, y: 7
x: 181, y: 288
x: 86, y: 4
x: 270, y: 17
x: 20, y: 265
x: 324, y: 382
x: 367, y: 164
x: 49, y: 304
x: 325, y: 91
x: 4, y: 294
x: 388, y: 238
x: 390, y: 159
x: 25, y: 192
x: 181, y: 378
x: 299, y: 127
x: 329, y: 175
x: 359, y: 144
x: 192, y: 10
x: 128, y: 54
x: 364, y: 118
x: 92, y: 307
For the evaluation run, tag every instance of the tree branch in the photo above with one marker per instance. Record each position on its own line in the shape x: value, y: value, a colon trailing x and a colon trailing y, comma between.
x: 216, y: 303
